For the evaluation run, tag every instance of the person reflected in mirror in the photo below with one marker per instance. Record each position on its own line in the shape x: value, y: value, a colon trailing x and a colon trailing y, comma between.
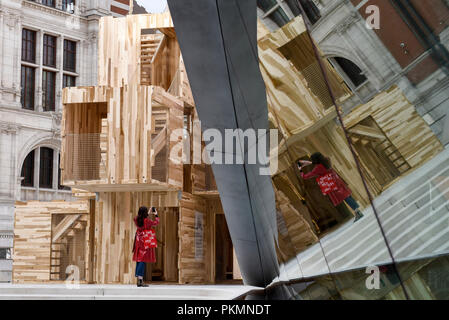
x: 330, y: 182
x: 145, y: 242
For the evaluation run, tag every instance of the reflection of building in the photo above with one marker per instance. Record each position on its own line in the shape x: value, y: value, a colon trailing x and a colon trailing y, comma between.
x: 308, y: 124
x: 410, y: 49
x: 396, y: 121
x: 45, y: 45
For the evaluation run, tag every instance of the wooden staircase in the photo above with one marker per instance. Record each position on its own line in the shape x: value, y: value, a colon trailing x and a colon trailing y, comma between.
x: 159, y: 144
x: 381, y: 160
x: 150, y: 44
x: 62, y: 238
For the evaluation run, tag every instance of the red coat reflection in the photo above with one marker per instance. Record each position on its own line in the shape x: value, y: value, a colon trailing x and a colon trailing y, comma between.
x: 337, y: 196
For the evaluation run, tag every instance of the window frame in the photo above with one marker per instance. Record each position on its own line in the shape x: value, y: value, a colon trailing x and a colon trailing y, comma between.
x: 49, y: 3
x: 47, y: 48
x: 348, y: 77
x: 66, y: 3
x: 64, y: 80
x: 30, y: 157
x: 8, y: 254
x: 28, y: 53
x: 27, y: 98
x: 48, y: 96
x: 69, y: 52
x: 43, y: 168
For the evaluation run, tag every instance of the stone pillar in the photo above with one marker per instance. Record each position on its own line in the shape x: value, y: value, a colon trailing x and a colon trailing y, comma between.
x: 39, y: 60
x: 60, y: 77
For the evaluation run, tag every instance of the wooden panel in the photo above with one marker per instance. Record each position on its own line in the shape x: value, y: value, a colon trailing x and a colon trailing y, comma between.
x: 193, y: 270
x: 120, y: 151
x: 121, y: 37
x: 114, y: 235
x: 300, y: 232
x: 32, y: 237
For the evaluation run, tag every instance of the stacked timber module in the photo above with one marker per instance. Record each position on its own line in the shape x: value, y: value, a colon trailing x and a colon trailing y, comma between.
x: 52, y: 238
x: 117, y: 155
x: 391, y: 139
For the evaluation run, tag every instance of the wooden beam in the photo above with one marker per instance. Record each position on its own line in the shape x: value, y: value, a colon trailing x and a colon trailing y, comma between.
x: 64, y: 226
x: 367, y: 131
x: 169, y: 32
x: 159, y: 143
x: 159, y: 49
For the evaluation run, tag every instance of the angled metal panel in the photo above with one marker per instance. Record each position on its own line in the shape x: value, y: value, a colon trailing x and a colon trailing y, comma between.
x: 218, y: 39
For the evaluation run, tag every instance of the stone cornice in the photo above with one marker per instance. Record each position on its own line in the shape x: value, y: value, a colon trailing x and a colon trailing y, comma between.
x: 47, y: 9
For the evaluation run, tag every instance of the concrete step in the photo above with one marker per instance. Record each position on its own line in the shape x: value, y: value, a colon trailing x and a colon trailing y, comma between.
x: 170, y: 292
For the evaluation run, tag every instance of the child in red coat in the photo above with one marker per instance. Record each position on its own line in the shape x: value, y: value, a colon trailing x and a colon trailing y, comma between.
x: 340, y: 192
x: 143, y: 255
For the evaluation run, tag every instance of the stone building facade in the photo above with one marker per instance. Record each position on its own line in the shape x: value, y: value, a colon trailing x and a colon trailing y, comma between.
x: 45, y: 45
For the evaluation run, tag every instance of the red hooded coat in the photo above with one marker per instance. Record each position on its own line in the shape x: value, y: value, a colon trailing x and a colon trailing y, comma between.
x: 140, y: 253
x: 337, y: 196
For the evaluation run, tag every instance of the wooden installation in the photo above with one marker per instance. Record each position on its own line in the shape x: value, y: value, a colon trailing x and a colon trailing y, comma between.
x: 48, y: 237
x: 118, y: 143
x: 120, y: 136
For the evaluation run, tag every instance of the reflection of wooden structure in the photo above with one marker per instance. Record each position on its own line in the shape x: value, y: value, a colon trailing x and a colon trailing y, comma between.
x: 390, y: 137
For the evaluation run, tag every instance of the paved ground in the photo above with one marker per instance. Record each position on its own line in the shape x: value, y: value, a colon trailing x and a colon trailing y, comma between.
x: 121, y: 292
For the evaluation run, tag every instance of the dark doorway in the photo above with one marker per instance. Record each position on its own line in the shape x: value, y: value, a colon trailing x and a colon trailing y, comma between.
x: 223, y: 250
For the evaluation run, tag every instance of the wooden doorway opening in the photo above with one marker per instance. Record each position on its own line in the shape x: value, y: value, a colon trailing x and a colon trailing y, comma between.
x: 166, y: 267
x: 68, y: 246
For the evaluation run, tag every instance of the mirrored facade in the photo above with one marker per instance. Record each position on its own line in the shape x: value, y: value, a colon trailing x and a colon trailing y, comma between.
x: 359, y: 94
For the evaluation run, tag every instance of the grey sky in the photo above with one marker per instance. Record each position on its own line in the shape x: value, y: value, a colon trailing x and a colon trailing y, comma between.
x: 153, y: 6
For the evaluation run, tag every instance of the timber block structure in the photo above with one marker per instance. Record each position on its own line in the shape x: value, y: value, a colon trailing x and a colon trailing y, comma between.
x: 116, y: 138
x: 120, y: 151
x: 50, y: 237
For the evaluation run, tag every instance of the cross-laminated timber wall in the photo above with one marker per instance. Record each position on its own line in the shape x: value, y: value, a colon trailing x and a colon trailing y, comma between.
x: 35, y: 233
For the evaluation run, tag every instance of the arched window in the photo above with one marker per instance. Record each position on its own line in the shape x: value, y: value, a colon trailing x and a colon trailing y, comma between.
x: 351, y: 70
x: 28, y: 170
x: 44, y: 161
